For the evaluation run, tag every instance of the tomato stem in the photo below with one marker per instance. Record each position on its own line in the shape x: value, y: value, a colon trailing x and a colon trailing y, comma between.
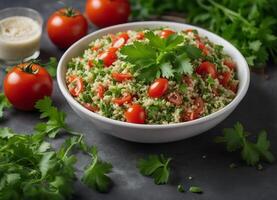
x: 28, y: 68
x: 69, y: 12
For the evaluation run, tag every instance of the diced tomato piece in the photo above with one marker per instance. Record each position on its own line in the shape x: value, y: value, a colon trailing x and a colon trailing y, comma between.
x: 100, y: 91
x: 140, y: 36
x: 76, y: 86
x: 197, y: 112
x: 121, y: 77
x: 95, y: 48
x: 121, y: 40
x: 90, y: 107
x: 125, y: 99
x: 230, y: 64
x: 166, y: 33
x: 203, y: 48
x: 108, y: 57
x: 90, y: 63
x: 234, y: 87
x: 207, y: 68
x: 224, y: 78
x: 187, y: 80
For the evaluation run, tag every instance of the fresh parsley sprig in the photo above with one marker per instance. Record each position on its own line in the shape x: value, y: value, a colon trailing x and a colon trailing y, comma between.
x: 157, y: 167
x: 31, y: 169
x: 160, y: 57
x: 95, y: 175
x: 236, y: 139
x: 56, y: 119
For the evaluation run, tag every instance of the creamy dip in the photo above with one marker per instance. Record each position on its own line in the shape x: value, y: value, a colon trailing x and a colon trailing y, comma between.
x: 19, y: 38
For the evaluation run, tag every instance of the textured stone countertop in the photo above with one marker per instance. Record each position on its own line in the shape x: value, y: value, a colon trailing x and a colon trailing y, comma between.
x: 257, y: 111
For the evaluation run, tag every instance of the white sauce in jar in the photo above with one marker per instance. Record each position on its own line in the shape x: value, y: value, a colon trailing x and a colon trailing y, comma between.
x: 19, y: 38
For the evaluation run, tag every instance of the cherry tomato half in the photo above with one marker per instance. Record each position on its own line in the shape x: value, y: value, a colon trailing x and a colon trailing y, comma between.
x: 105, y: 13
x: 125, y: 99
x: 158, y: 88
x: 135, y: 114
x: 66, y: 26
x: 76, y: 86
x: 25, y: 84
x: 108, y: 57
x: 207, y: 68
x: 166, y: 33
x: 121, y: 40
x: 90, y: 107
x: 100, y: 91
x: 121, y: 77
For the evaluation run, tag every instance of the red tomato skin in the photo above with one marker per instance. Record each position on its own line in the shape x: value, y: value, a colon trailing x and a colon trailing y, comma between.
x: 100, y: 91
x: 122, y: 100
x: 207, y: 68
x: 105, y: 13
x: 75, y: 91
x: 158, y: 88
x: 135, y: 114
x: 64, y: 30
x: 196, y: 113
x: 121, y: 77
x: 24, y: 89
x: 120, y: 41
x: 203, y: 48
x: 224, y: 78
x: 108, y: 57
x: 166, y: 33
x: 140, y: 36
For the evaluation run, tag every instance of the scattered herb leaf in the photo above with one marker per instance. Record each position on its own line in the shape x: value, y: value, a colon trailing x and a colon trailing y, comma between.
x: 252, y: 153
x: 157, y: 167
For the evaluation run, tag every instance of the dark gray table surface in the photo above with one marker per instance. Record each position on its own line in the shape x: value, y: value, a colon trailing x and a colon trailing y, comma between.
x: 257, y: 111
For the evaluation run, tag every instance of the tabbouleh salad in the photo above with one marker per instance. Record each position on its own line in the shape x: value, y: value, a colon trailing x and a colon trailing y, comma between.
x: 153, y: 76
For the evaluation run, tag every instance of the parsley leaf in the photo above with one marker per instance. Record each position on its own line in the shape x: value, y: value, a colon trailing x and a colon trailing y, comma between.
x: 252, y: 153
x: 56, y: 119
x: 139, y: 54
x: 95, y: 175
x: 156, y: 167
x: 195, y: 189
x: 4, y: 103
x: 183, y: 64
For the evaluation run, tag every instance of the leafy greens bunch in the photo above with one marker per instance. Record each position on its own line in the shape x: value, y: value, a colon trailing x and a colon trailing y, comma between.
x: 248, y: 24
x: 31, y: 169
x: 161, y: 56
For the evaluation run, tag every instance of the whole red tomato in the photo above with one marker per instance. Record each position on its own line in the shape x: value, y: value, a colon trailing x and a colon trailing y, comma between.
x: 66, y: 26
x: 105, y: 13
x: 25, y: 84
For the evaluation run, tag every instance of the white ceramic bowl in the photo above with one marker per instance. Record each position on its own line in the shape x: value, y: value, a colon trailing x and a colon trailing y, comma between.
x: 153, y: 133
